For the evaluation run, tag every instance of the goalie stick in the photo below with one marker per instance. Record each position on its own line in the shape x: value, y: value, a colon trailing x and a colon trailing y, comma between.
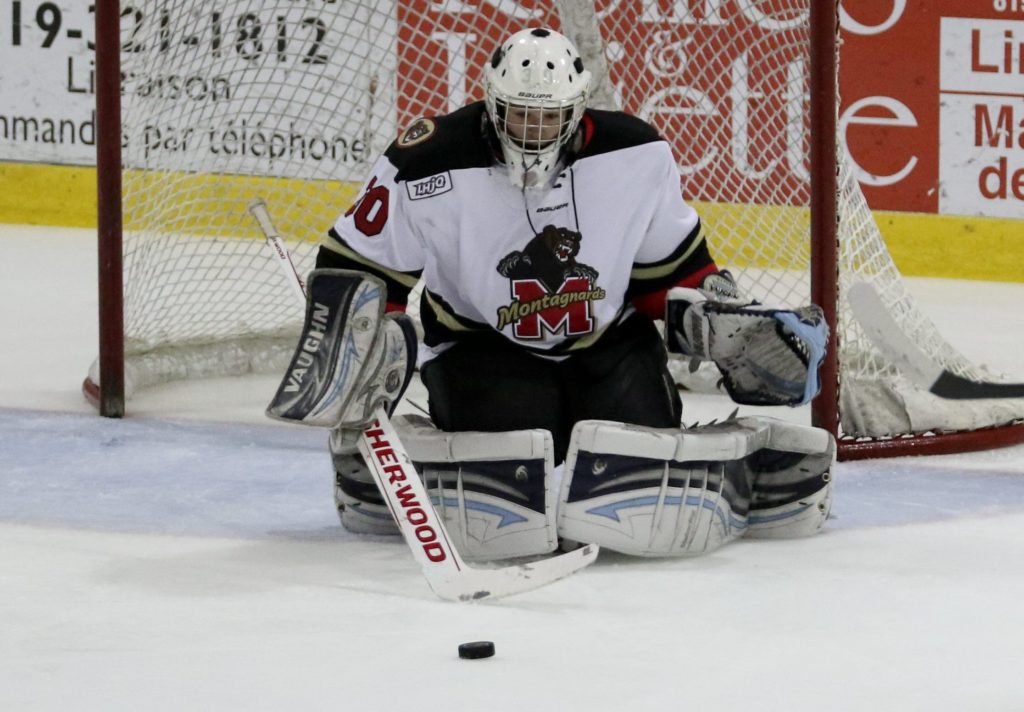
x: 407, y: 498
x: 915, y: 364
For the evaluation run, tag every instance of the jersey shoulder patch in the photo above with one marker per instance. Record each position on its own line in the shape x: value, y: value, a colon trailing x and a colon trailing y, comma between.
x: 417, y: 132
x: 432, y: 145
x: 606, y: 131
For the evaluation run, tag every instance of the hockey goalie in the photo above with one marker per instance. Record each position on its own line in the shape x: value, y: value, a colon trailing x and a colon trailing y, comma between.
x: 549, y: 238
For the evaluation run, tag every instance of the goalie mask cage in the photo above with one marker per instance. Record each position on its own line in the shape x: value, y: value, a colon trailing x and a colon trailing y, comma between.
x: 224, y: 102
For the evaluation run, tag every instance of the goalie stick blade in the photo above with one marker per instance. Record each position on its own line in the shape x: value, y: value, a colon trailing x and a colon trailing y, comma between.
x: 923, y: 372
x: 949, y: 385
x: 473, y: 584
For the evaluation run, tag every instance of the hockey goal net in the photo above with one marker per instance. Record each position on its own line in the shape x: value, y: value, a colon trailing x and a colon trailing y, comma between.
x: 291, y: 102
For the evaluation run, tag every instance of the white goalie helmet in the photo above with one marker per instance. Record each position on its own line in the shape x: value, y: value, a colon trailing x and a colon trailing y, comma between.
x: 536, y: 90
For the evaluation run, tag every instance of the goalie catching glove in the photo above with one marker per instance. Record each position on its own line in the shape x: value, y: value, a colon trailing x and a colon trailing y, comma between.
x: 351, y: 356
x: 766, y: 356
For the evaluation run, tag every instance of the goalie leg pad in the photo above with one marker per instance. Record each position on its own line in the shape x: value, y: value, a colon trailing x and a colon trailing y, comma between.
x: 350, y: 356
x: 493, y: 490
x: 361, y: 508
x: 669, y: 492
x: 792, y: 489
x: 656, y: 492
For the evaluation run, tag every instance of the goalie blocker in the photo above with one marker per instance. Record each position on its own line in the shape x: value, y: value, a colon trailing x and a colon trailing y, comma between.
x: 350, y: 357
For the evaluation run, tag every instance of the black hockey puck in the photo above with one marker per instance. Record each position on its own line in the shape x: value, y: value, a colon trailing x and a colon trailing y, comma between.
x: 476, y: 650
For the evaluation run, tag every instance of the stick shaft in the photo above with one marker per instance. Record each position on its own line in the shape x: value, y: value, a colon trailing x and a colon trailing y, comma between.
x: 259, y: 211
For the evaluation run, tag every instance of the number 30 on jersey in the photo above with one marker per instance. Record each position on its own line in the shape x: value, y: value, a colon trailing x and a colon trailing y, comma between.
x: 370, y: 212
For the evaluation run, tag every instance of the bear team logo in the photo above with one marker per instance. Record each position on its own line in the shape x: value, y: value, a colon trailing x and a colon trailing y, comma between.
x: 552, y: 292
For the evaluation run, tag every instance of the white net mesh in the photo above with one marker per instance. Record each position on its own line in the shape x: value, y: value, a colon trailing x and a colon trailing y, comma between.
x: 291, y: 102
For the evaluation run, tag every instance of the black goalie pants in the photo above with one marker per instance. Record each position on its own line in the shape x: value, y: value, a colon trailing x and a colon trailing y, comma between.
x: 485, y: 383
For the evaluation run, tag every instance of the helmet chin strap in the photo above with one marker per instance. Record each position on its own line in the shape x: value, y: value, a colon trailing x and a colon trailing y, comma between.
x: 526, y: 171
x: 530, y: 178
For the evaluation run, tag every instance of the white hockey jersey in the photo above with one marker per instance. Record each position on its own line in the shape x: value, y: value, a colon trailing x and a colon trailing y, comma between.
x: 549, y: 269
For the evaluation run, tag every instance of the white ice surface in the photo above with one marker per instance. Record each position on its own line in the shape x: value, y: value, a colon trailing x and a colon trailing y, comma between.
x: 188, y: 557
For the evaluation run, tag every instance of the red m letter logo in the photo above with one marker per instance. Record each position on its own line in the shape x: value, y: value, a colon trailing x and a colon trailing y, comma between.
x: 554, y: 311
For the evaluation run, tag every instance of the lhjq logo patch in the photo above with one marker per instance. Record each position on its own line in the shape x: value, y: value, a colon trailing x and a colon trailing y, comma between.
x: 552, y: 291
x: 430, y: 186
x: 417, y: 132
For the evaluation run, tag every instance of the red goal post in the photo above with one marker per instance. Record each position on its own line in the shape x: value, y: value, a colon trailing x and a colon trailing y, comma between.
x: 202, y: 107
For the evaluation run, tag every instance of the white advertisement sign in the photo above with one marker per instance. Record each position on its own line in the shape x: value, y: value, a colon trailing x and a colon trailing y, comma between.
x: 47, y: 81
x: 284, y: 91
x: 981, y: 122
